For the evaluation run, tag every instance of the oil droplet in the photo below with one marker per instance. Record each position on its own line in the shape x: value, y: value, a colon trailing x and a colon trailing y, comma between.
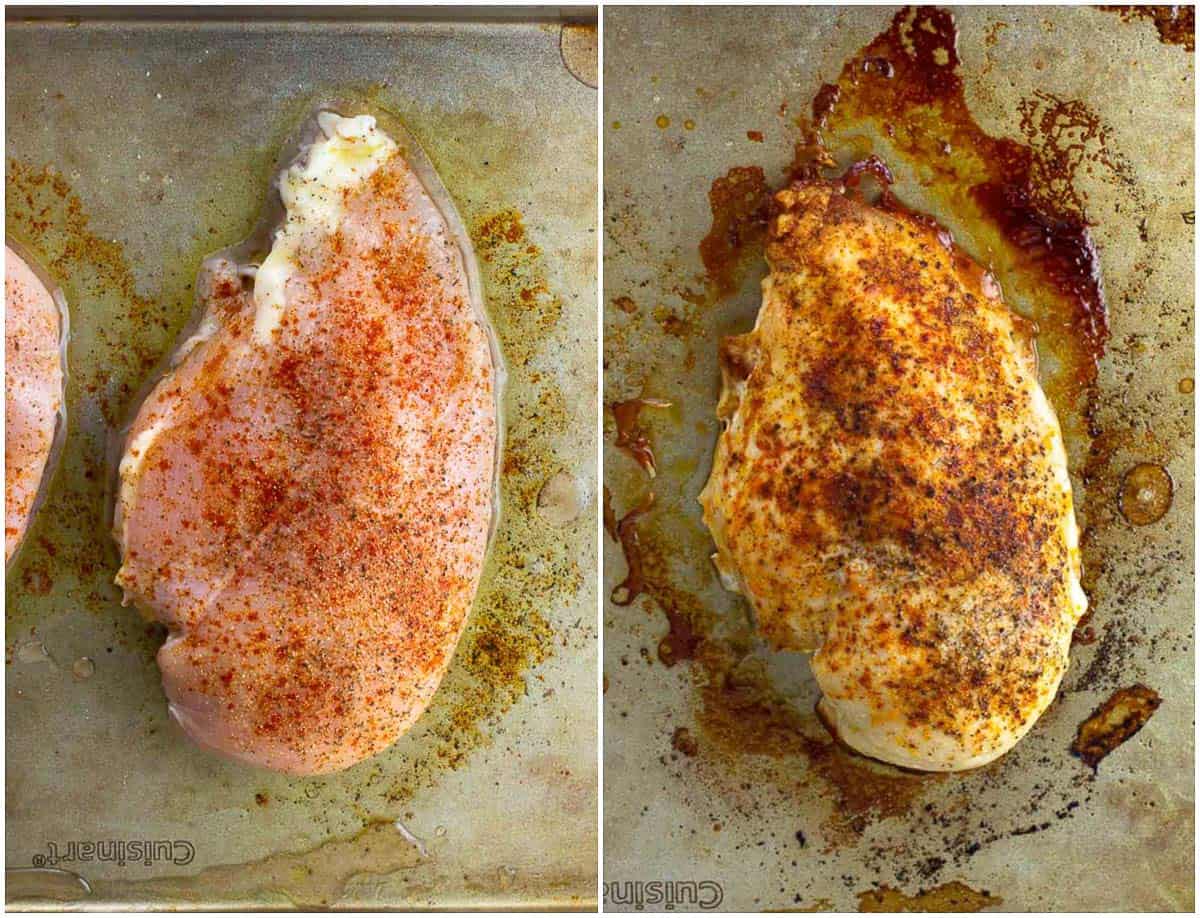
x: 616, y: 125
x: 689, y: 125
x: 663, y: 121
x: 1187, y: 385
x: 83, y: 668
x: 1146, y: 493
x: 440, y: 831
x: 32, y: 652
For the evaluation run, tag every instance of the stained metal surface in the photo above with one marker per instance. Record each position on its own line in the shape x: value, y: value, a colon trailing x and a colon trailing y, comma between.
x: 135, y: 147
x: 688, y: 95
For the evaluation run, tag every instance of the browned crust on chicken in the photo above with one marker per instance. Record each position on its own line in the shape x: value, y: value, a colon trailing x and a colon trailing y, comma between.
x: 891, y: 487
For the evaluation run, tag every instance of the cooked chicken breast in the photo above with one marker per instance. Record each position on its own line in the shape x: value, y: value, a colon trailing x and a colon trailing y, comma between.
x: 890, y: 489
x: 305, y: 499
x: 33, y: 391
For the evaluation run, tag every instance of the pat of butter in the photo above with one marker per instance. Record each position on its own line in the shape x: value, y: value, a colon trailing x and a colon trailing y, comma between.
x: 314, y: 193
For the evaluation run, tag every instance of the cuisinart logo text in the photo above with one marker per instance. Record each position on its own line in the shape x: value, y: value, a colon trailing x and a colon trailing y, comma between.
x: 665, y: 895
x: 117, y: 851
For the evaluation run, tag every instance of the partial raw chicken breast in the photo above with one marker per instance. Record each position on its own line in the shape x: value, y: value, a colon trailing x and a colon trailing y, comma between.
x: 890, y: 489
x: 305, y: 498
x: 34, y: 325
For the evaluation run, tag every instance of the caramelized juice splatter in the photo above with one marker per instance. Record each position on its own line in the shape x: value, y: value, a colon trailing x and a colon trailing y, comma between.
x: 610, y: 516
x: 683, y: 635
x: 739, y: 203
x: 632, y: 586
x: 649, y: 573
x: 1114, y: 722
x: 630, y: 437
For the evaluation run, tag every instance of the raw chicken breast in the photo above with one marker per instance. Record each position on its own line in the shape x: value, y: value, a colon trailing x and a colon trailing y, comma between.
x: 890, y: 489
x: 34, y: 331
x: 305, y: 498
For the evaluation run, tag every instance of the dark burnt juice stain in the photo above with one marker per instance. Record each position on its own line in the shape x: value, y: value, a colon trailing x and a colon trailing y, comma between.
x: 1176, y: 24
x: 739, y: 201
x: 1020, y: 200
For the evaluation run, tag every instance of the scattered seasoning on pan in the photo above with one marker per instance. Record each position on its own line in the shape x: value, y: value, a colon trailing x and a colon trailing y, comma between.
x: 1114, y: 722
x: 630, y: 437
x: 1110, y: 455
x: 44, y: 213
x: 683, y: 741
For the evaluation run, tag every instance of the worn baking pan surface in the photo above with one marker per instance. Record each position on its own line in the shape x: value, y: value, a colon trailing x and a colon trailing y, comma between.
x: 718, y: 777
x: 136, y: 147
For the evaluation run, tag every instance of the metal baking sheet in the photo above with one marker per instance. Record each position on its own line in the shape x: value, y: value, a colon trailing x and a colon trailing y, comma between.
x: 137, y: 142
x: 691, y: 818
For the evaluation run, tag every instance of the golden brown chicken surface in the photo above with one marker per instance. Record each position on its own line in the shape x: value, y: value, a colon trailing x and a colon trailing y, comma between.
x: 890, y: 489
